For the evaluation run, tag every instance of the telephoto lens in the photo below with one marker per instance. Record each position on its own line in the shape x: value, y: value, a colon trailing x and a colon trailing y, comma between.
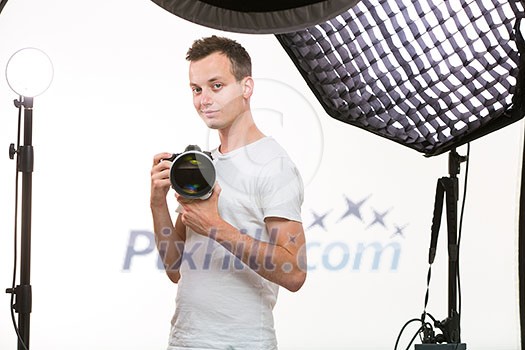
x: 192, y: 173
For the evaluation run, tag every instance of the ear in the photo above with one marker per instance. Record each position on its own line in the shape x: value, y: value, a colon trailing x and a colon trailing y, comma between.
x: 247, y: 87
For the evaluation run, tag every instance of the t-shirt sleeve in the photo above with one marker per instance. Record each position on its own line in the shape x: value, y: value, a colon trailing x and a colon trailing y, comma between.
x: 281, y: 190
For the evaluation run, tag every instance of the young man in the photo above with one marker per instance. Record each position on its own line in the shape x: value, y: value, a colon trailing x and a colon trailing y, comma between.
x: 230, y: 252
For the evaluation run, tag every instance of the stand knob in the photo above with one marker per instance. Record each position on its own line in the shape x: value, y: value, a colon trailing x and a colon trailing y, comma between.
x: 12, y: 151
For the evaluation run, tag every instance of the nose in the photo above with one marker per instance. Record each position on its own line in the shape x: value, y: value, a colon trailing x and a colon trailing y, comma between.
x: 206, y: 99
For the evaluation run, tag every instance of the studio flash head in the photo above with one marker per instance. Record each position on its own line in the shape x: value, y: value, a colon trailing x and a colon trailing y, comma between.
x: 192, y: 173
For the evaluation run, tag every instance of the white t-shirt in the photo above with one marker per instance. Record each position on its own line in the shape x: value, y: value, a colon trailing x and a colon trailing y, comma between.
x: 222, y: 303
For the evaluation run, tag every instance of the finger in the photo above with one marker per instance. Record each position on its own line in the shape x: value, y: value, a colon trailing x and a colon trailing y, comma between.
x: 183, y: 201
x: 160, y: 156
x: 217, y: 189
x: 183, y: 218
x: 160, y: 172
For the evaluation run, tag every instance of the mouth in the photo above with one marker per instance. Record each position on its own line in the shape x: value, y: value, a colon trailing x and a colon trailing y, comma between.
x: 208, y: 113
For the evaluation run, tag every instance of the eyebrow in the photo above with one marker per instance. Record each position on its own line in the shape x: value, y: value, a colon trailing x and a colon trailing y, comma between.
x: 211, y: 80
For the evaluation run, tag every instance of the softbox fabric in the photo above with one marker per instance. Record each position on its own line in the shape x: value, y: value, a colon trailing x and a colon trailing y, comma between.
x: 429, y: 74
x: 256, y: 17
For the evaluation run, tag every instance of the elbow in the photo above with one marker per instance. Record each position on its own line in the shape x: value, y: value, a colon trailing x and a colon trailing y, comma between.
x: 296, y: 281
x: 174, y: 276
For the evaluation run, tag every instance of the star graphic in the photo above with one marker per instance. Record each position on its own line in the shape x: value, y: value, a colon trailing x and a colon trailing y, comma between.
x: 399, y: 231
x: 318, y: 220
x: 378, y: 218
x: 353, y: 208
x: 292, y: 238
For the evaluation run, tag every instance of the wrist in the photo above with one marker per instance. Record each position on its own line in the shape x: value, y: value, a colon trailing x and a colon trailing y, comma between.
x: 221, y: 231
x: 158, y: 203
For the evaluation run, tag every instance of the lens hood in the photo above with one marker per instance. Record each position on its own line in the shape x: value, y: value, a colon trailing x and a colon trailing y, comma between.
x: 192, y: 173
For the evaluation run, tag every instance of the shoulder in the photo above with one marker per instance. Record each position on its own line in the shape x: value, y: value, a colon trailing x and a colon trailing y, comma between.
x: 268, y: 150
x: 278, y: 170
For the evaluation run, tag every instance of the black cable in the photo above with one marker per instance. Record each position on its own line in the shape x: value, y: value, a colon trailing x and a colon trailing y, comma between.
x: 463, y: 201
x: 403, y: 328
x: 15, y: 253
x: 427, y: 293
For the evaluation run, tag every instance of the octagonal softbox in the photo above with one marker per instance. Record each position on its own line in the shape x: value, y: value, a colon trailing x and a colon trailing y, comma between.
x: 429, y: 74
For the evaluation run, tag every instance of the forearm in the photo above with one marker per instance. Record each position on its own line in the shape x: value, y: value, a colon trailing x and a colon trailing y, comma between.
x: 169, y: 239
x: 280, y: 260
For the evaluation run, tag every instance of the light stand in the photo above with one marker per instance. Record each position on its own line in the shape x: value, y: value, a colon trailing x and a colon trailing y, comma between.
x: 29, y: 73
x: 25, y: 162
x: 447, y: 187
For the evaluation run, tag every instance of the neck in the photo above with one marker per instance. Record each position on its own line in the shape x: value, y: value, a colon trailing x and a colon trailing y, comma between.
x: 239, y: 134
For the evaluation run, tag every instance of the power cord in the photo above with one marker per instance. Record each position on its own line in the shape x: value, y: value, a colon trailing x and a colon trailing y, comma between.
x: 460, y: 230
x: 415, y: 335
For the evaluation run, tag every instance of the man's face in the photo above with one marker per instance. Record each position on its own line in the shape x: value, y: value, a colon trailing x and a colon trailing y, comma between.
x: 217, y: 96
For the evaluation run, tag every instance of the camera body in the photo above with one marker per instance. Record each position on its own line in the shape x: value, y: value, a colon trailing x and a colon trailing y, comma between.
x: 192, y: 173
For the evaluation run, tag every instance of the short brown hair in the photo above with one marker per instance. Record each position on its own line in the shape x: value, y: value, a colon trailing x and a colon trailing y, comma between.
x: 240, y: 59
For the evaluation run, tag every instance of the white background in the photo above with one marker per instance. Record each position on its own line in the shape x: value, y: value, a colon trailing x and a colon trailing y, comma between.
x: 120, y: 94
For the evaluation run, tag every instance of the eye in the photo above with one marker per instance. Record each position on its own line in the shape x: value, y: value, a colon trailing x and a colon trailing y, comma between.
x: 217, y: 86
x: 196, y: 90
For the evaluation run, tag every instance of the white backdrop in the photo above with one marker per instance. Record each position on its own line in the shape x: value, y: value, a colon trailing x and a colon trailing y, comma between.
x: 120, y: 95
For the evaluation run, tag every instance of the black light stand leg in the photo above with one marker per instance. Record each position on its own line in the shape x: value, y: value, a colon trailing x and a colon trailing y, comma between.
x: 25, y: 161
x: 451, y: 325
x: 448, y: 187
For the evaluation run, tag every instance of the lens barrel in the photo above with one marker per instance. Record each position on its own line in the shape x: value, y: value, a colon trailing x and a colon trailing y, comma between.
x: 193, y: 174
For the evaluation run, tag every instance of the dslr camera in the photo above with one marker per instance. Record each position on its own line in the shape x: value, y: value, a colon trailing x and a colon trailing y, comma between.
x: 192, y: 173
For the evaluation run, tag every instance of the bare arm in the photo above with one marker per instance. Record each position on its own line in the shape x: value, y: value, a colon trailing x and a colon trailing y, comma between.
x: 282, y: 260
x: 168, y: 236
